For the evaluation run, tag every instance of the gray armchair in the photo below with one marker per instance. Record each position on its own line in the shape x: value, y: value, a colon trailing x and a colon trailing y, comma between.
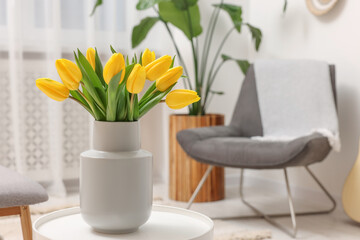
x: 231, y: 146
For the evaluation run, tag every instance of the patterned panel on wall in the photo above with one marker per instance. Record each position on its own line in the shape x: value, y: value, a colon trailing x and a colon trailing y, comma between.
x: 35, y: 125
x: 76, y: 133
x: 7, y: 152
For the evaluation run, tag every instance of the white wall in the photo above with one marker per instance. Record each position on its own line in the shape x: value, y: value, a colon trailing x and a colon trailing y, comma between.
x: 334, y: 38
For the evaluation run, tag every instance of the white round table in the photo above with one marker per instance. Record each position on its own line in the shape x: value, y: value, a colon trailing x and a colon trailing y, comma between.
x: 165, y: 223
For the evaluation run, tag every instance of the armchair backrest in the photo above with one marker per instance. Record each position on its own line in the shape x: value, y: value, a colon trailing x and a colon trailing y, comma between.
x: 246, y: 117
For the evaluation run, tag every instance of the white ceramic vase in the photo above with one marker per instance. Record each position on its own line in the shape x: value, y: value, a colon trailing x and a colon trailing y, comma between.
x: 116, y: 179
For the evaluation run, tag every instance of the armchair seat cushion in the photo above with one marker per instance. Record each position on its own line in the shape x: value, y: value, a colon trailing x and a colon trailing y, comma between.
x: 18, y: 190
x: 233, y: 151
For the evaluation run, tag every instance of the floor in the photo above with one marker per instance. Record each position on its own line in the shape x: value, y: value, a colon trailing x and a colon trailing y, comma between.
x: 331, y: 226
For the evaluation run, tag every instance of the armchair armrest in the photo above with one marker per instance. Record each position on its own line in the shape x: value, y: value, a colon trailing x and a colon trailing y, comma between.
x: 188, y: 137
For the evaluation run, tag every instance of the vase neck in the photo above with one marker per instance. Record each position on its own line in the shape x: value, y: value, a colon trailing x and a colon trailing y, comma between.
x: 116, y: 136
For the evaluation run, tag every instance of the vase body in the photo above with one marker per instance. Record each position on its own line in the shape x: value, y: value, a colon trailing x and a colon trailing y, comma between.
x: 351, y: 192
x: 116, y: 179
x: 185, y: 173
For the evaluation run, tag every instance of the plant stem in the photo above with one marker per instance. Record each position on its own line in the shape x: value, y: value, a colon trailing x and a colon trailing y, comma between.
x: 219, y: 49
x: 207, y: 49
x: 205, y: 44
x: 210, y: 82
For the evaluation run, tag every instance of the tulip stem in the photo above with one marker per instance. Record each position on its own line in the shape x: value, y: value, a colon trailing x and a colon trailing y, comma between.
x: 132, y: 105
x: 87, y: 100
x: 87, y: 109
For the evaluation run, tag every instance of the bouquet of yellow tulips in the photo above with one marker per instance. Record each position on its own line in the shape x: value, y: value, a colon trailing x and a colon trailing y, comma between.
x: 110, y: 93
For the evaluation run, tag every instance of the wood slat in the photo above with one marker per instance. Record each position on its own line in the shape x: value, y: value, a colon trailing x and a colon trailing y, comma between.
x: 185, y: 172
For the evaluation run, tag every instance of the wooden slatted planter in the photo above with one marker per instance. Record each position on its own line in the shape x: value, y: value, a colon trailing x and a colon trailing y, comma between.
x: 185, y: 173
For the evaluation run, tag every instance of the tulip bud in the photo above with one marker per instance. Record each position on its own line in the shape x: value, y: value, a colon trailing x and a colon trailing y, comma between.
x: 90, y: 56
x: 53, y: 89
x: 114, y: 65
x: 136, y: 80
x: 180, y: 98
x: 147, y: 57
x: 157, y: 68
x: 169, y: 78
x: 69, y: 73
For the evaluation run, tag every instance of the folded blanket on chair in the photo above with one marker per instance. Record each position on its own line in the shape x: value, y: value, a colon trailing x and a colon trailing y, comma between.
x: 296, y: 99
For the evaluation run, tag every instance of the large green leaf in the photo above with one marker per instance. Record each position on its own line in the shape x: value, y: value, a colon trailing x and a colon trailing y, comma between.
x: 243, y: 64
x: 256, y: 35
x: 145, y: 4
x: 141, y: 30
x: 180, y: 18
x: 112, y: 98
x: 97, y: 4
x: 184, y: 4
x: 234, y: 12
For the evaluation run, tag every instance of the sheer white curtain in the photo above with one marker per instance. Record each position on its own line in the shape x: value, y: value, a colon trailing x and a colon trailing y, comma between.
x: 39, y: 137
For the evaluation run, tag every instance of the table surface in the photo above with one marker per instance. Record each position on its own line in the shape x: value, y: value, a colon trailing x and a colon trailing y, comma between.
x: 165, y: 223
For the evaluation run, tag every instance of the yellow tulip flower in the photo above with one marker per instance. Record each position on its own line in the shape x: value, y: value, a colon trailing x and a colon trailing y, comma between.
x: 90, y: 56
x: 147, y: 57
x: 69, y: 73
x: 169, y: 78
x: 114, y: 65
x: 181, y: 98
x: 53, y: 89
x: 136, y: 81
x: 157, y: 68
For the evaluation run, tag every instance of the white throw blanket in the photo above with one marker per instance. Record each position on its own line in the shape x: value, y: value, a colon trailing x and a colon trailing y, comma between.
x: 296, y: 99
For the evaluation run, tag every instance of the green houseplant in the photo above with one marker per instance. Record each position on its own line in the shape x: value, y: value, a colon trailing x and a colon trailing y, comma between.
x: 185, y: 16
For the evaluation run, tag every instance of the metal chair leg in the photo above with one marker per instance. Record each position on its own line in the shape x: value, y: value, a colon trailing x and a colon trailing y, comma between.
x: 199, y: 186
x: 268, y: 218
x: 292, y: 213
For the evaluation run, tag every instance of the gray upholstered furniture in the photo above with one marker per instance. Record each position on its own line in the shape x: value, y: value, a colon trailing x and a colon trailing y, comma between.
x: 16, y: 194
x: 231, y: 146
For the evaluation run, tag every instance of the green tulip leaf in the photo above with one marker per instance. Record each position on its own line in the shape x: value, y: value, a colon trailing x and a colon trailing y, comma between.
x: 188, y: 21
x: 141, y: 30
x: 235, y: 13
x: 112, y: 99
x: 122, y: 104
x: 75, y: 94
x: 136, y: 107
x: 153, y: 101
x: 145, y: 4
x: 89, y: 83
x: 256, y: 35
x: 98, y: 114
x: 112, y: 49
x: 184, y: 4
x: 99, y: 68
x: 148, y: 93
